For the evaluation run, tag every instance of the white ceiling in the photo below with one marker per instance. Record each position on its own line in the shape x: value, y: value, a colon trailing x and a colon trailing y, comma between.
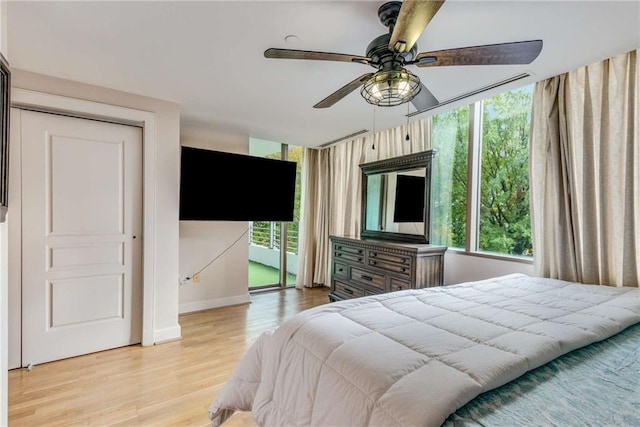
x: 208, y: 55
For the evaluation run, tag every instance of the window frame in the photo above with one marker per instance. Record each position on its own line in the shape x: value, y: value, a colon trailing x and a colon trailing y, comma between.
x: 474, y: 178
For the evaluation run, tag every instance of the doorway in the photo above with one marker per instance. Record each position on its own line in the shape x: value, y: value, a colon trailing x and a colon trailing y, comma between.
x: 269, y: 266
x: 81, y: 235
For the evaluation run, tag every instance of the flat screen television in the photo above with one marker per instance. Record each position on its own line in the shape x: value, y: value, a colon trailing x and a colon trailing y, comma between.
x: 221, y: 186
x: 409, y: 203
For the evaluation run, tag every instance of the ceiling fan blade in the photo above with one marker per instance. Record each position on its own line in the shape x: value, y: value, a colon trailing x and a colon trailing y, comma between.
x: 412, y: 19
x: 343, y: 91
x: 318, y: 56
x: 490, y: 54
x: 424, y: 99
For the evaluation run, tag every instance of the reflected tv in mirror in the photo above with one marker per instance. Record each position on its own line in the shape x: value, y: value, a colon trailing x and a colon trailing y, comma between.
x: 409, y: 203
x: 221, y: 186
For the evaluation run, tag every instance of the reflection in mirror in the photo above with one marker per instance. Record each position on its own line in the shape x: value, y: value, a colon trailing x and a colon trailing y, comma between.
x: 395, y: 201
x: 375, y: 202
x: 395, y: 198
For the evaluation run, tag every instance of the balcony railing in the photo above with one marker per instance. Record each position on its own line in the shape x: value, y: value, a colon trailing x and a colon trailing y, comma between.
x: 267, y: 234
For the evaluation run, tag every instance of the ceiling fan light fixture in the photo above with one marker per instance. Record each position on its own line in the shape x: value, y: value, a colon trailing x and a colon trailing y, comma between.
x: 390, y: 88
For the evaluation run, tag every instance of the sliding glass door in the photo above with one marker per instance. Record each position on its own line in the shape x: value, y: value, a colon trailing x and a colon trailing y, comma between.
x: 269, y: 265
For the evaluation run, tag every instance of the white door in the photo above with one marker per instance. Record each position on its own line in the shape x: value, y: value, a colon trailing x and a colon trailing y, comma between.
x: 81, y: 236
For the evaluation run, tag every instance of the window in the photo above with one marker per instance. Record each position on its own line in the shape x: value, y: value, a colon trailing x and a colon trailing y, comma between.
x: 505, y: 226
x: 450, y: 139
x: 481, y: 175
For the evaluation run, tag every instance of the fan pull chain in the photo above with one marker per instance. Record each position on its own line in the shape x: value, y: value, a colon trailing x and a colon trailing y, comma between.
x: 407, y: 138
x: 373, y: 145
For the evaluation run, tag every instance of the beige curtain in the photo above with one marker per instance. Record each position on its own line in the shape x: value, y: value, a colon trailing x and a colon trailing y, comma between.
x: 331, y: 192
x: 585, y: 174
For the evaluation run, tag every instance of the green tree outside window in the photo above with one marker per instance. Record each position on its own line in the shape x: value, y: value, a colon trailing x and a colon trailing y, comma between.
x: 503, y: 217
x: 450, y: 140
x: 505, y: 224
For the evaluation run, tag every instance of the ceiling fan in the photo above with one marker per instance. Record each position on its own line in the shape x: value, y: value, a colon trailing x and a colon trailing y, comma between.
x: 389, y: 53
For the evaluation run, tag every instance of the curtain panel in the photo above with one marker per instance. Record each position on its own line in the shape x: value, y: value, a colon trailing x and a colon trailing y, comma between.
x: 585, y: 174
x: 332, y: 183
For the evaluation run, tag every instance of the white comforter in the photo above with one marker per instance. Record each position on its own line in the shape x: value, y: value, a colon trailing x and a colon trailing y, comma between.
x: 411, y: 358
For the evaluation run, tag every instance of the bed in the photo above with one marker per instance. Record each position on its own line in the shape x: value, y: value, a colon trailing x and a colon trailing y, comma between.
x: 430, y: 356
x: 597, y: 385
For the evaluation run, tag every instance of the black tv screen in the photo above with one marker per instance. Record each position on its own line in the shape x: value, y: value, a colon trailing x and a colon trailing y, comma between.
x: 409, y: 204
x: 220, y: 186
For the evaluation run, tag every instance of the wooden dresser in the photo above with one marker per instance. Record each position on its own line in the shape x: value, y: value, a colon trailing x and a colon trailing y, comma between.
x: 366, y: 267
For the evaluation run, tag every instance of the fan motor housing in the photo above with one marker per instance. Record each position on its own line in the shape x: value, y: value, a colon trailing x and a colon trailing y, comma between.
x: 378, y: 50
x: 384, y: 58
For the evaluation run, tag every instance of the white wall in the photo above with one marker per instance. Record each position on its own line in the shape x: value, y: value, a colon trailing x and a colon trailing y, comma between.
x: 14, y: 245
x: 4, y: 265
x: 165, y: 185
x: 225, y: 281
x: 460, y: 267
x: 4, y: 329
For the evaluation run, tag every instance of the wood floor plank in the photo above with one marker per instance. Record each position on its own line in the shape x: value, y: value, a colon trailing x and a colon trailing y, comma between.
x: 170, y: 384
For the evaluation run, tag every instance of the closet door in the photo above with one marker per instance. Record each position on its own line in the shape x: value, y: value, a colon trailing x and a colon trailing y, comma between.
x: 81, y: 236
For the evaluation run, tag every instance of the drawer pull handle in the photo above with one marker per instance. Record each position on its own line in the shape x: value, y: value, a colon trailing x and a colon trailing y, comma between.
x: 404, y: 260
x: 373, y: 254
x: 359, y: 259
x: 348, y: 291
x: 338, y: 255
x: 359, y: 251
x: 338, y: 247
x: 399, y: 288
x: 404, y: 269
x: 339, y: 269
x: 374, y: 263
x: 369, y: 278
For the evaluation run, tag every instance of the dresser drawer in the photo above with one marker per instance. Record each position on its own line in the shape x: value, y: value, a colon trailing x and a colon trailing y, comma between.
x: 384, y: 256
x: 404, y: 269
x: 340, y: 270
x: 368, y: 277
x: 347, y: 291
x: 348, y: 256
x: 348, y: 249
x: 398, y: 284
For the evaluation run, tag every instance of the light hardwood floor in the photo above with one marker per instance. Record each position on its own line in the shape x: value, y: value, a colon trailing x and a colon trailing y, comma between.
x: 170, y: 384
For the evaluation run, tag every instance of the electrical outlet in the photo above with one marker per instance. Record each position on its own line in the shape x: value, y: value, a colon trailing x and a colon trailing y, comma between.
x: 196, y: 278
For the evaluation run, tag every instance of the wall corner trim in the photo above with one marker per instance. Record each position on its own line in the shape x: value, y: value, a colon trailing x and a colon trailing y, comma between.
x: 173, y: 333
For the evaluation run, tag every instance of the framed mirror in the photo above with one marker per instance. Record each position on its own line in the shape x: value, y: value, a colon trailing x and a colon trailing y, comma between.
x: 396, y: 195
x: 5, y: 87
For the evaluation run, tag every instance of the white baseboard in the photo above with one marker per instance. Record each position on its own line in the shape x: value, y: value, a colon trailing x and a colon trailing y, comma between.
x: 213, y: 303
x: 167, y: 334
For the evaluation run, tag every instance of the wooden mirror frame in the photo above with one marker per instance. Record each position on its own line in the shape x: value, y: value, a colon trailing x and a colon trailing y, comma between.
x: 5, y: 89
x: 398, y: 164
